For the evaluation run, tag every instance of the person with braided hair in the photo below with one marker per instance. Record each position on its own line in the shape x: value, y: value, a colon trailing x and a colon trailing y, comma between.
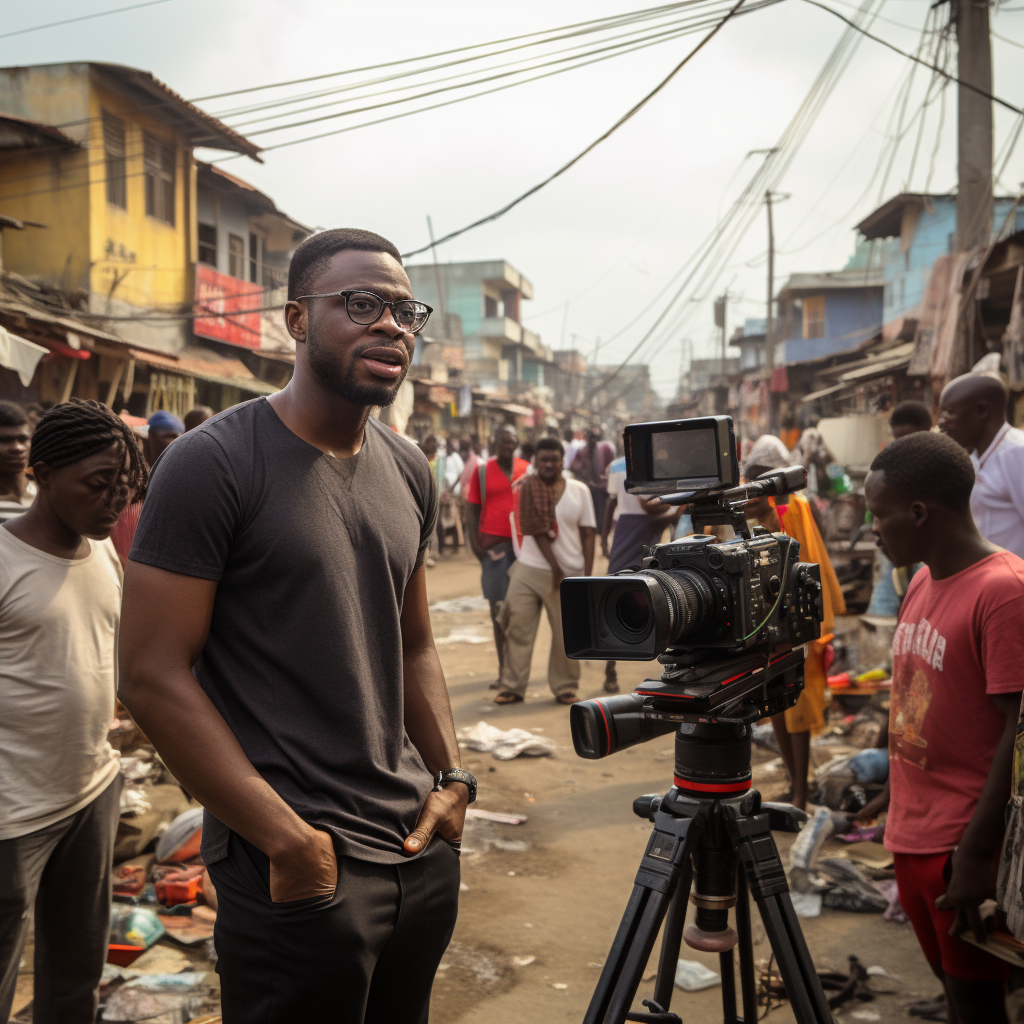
x: 60, y: 604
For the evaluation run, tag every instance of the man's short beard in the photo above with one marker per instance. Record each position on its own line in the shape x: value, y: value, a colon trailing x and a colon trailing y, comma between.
x: 342, y: 383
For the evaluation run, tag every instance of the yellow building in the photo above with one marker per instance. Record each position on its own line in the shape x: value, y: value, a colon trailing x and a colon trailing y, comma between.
x: 97, y: 161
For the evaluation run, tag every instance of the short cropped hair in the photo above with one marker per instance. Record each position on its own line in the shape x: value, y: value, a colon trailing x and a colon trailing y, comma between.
x: 550, y: 444
x: 314, y: 255
x: 929, y: 467
x: 911, y: 414
x: 12, y: 415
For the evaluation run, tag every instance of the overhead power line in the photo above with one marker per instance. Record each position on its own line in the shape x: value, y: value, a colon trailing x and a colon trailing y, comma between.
x: 593, y: 145
x: 81, y: 17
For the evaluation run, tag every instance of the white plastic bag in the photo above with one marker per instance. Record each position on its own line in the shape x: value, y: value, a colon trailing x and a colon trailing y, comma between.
x: 504, y: 744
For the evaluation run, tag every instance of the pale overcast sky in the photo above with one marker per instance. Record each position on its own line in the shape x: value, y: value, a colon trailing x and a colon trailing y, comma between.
x: 610, y: 233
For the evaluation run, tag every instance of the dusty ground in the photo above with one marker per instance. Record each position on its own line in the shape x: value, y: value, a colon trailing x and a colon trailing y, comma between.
x: 559, y: 894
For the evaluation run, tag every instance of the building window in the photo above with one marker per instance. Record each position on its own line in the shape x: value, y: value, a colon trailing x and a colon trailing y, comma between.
x: 208, y: 244
x: 490, y: 307
x: 114, y: 153
x: 814, y: 316
x: 255, y: 257
x: 236, y: 256
x: 159, y: 165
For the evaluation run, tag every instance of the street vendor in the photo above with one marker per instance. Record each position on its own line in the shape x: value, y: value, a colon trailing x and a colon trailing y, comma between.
x: 793, y: 517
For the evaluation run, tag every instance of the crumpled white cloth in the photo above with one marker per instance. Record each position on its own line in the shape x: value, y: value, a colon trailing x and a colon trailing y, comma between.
x: 20, y: 355
x: 505, y: 744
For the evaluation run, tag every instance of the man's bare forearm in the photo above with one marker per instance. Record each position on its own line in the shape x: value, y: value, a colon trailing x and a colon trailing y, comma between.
x: 544, y: 543
x: 204, y: 756
x: 474, y: 530
x: 587, y: 539
x: 428, y: 710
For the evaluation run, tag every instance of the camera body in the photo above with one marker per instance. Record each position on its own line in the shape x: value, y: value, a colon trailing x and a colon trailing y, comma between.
x: 722, y: 597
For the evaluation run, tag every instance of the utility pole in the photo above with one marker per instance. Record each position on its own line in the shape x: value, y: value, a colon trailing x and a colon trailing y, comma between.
x: 721, y: 309
x: 974, y: 124
x: 769, y: 327
x: 437, y: 279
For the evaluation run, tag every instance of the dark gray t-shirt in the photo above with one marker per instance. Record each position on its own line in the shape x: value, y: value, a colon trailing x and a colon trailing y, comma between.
x: 312, y: 556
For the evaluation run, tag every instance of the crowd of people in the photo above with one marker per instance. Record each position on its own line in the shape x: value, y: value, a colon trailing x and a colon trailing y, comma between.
x: 252, y: 585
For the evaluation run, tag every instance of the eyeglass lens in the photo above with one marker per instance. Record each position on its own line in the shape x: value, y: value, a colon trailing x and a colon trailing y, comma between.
x: 366, y: 308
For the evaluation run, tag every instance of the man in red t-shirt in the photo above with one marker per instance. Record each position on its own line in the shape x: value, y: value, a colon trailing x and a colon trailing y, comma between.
x: 490, y: 525
x: 956, y: 691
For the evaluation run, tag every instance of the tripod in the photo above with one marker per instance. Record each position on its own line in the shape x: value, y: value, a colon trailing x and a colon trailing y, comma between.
x: 711, y: 832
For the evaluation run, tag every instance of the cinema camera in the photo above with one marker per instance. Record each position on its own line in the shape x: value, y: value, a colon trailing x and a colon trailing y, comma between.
x: 727, y: 620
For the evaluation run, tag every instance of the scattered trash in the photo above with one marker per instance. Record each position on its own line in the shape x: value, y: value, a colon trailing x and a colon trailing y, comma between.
x: 152, y: 995
x: 863, y: 834
x: 768, y: 768
x: 529, y: 798
x: 511, y: 874
x: 692, y: 976
x: 871, y: 855
x: 805, y: 850
x: 161, y: 959
x: 865, y: 1015
x: 461, y: 604
x: 847, y: 987
x: 134, y: 801
x: 498, y: 816
x: 134, y: 927
x: 871, y: 765
x: 848, y: 889
x: 463, y: 887
x: 181, y: 840
x: 806, y: 904
x: 464, y: 636
x: 189, y: 930
x: 139, y: 767
x: 559, y: 985
x: 763, y: 735
x: 504, y: 744
x: 523, y: 961
x: 881, y: 972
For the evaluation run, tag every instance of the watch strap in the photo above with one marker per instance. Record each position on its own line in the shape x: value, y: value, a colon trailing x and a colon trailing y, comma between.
x: 442, y: 778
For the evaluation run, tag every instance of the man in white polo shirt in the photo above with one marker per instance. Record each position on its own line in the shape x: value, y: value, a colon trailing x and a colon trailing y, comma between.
x: 972, y: 411
x: 557, y: 521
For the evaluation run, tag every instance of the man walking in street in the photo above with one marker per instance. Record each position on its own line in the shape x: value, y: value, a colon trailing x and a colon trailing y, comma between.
x: 164, y: 428
x: 556, y: 518
x: 972, y: 411
x: 489, y: 500
x: 60, y: 601
x: 17, y: 491
x: 640, y: 524
x: 909, y: 417
x: 280, y: 559
x: 590, y: 464
x: 956, y: 691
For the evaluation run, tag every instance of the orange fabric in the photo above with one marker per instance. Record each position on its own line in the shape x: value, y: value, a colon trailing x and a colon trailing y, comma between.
x: 808, y: 714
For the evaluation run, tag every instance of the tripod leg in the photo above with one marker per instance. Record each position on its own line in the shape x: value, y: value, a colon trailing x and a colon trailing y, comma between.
x: 746, y: 946
x: 768, y: 885
x: 672, y: 938
x: 727, y: 968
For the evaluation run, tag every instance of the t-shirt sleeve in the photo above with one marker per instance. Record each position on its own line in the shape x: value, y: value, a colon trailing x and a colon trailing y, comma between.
x: 1002, y: 647
x: 192, y: 510
x: 473, y: 486
x: 588, y: 517
x: 429, y: 519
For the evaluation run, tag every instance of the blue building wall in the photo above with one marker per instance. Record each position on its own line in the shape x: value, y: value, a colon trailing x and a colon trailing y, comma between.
x: 852, y: 315
x: 906, y: 274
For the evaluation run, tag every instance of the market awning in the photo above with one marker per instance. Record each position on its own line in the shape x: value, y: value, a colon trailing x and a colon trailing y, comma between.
x: 894, y: 359
x: 20, y: 355
x: 815, y: 395
x: 230, y: 372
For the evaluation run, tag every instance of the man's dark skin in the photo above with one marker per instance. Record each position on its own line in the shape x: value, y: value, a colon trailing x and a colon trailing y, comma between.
x: 948, y: 542
x: 14, y: 446
x: 972, y: 410
x: 167, y: 616
x: 73, y: 504
x: 194, y: 417
x: 652, y: 506
x: 549, y: 468
x: 155, y: 442
x: 506, y: 442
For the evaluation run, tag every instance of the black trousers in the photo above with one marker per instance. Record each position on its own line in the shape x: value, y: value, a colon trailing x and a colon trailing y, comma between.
x: 368, y: 955
x: 63, y: 871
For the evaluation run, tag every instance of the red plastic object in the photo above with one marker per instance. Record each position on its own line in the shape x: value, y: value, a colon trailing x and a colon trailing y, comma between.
x: 124, y: 956
x: 839, y: 682
x: 170, y: 893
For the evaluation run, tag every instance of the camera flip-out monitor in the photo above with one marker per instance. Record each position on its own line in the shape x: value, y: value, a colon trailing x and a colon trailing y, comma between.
x: 681, y: 456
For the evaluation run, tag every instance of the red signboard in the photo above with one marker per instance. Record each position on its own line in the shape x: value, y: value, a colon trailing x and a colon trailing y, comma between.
x: 230, y: 305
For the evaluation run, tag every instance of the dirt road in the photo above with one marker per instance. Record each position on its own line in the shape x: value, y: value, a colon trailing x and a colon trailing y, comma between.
x: 555, y: 887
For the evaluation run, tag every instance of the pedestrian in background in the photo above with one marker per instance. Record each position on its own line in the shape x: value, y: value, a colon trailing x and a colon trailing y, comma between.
x: 956, y: 693
x: 276, y: 648
x: 194, y: 417
x: 590, y: 464
x: 489, y: 500
x: 792, y: 515
x: 60, y: 604
x: 556, y: 519
x: 640, y: 525
x: 17, y: 491
x: 909, y: 417
x: 972, y: 411
x: 164, y: 428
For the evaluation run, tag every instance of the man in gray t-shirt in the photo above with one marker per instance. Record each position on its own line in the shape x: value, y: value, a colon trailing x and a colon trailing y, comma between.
x: 276, y: 648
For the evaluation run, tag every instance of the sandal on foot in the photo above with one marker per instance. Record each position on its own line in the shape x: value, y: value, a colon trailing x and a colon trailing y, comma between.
x: 507, y: 698
x: 567, y: 698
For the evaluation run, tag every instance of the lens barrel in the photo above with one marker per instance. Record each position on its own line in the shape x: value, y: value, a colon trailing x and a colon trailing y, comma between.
x: 604, y: 725
x: 690, y: 600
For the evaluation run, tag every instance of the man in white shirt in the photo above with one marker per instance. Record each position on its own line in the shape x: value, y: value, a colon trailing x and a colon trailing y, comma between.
x: 17, y: 491
x: 60, y: 606
x: 559, y: 526
x: 972, y: 411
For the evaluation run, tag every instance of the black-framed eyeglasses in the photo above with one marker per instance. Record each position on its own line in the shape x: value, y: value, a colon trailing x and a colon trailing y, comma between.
x: 365, y: 308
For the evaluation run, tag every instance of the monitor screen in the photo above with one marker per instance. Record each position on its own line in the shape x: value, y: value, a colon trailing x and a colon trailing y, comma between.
x: 684, y: 454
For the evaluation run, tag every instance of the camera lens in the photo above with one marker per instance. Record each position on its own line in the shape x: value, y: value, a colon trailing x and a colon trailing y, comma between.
x: 633, y: 610
x: 691, y: 601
